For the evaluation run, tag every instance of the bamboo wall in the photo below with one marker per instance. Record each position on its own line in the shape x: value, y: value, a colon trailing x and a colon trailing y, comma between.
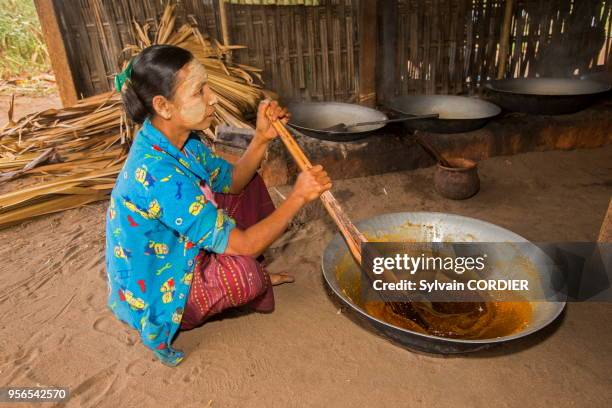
x: 306, y: 52
x: 96, y: 31
x: 438, y: 46
x: 451, y: 46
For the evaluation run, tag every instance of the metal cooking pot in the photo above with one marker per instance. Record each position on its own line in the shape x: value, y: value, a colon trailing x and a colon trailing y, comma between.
x: 436, y: 227
x: 311, y: 118
x: 546, y: 96
x: 604, y: 77
x: 457, y: 114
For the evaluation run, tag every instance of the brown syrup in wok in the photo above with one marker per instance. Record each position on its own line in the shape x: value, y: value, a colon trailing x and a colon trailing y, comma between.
x: 487, y: 319
x: 471, y: 320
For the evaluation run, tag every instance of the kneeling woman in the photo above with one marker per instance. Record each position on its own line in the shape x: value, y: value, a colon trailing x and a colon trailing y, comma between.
x: 184, y: 227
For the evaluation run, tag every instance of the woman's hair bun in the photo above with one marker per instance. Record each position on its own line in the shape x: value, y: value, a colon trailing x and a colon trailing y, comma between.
x: 132, y: 104
x: 153, y: 73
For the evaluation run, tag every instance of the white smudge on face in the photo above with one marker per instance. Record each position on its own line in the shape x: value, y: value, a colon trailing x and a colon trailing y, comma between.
x: 189, y: 96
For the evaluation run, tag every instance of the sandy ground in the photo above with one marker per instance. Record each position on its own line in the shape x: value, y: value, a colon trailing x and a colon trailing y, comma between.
x: 27, y: 104
x: 56, y: 329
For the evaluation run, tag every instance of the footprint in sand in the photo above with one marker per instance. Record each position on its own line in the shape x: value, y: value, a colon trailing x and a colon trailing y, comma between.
x: 16, y: 369
x: 219, y: 379
x: 193, y: 374
x: 95, y: 302
x: 112, y: 328
x: 25, y: 358
x: 96, y: 388
x: 138, y: 368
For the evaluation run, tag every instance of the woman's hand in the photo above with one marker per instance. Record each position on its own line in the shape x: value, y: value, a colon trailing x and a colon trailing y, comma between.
x: 311, y: 184
x: 250, y: 161
x: 269, y: 110
x: 255, y: 239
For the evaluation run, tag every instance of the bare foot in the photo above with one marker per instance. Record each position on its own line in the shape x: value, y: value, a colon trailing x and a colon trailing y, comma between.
x: 280, y: 278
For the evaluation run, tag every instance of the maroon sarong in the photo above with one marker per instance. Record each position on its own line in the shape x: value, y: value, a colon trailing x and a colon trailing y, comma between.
x: 224, y: 281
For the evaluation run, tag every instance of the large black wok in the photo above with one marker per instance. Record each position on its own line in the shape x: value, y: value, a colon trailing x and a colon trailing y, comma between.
x: 546, y: 96
x: 457, y: 114
x: 604, y: 77
x: 343, y: 276
x: 312, y: 118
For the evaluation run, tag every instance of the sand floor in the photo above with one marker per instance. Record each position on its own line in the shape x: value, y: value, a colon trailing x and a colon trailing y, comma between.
x: 56, y: 329
x: 27, y: 104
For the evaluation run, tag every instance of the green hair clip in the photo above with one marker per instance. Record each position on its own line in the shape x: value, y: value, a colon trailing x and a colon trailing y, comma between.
x: 123, y: 76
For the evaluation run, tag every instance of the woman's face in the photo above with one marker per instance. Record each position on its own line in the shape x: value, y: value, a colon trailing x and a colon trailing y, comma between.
x: 194, y: 101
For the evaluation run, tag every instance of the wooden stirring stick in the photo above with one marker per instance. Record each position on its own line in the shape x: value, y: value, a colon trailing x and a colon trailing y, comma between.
x: 431, y: 150
x: 353, y: 237
x: 351, y: 234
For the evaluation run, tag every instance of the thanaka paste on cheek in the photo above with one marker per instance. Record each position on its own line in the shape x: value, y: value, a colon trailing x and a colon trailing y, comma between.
x: 193, y: 109
x: 193, y: 113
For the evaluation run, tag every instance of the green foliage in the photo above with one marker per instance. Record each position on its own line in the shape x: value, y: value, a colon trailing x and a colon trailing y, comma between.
x: 22, y: 48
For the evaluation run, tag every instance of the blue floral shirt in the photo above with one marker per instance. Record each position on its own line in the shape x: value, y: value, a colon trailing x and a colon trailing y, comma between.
x: 158, y: 220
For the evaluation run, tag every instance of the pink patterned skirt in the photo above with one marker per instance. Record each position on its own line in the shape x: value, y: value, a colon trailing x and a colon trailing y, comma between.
x: 224, y: 281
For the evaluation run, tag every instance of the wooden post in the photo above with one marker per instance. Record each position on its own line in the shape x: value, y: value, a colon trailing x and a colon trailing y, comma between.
x: 225, y: 36
x: 387, y: 51
x: 504, y: 40
x: 368, y: 38
x: 57, y: 51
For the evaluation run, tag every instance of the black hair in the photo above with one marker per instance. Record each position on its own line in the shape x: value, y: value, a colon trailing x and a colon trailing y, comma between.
x: 153, y: 73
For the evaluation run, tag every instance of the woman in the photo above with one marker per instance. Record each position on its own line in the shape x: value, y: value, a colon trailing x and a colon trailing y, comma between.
x: 184, y: 227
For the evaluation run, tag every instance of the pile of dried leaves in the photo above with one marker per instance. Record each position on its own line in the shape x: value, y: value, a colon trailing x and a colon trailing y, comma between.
x: 79, y: 150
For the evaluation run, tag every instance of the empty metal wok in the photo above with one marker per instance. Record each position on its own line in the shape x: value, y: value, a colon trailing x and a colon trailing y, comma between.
x: 546, y: 96
x: 604, y: 77
x: 312, y: 118
x: 457, y: 114
x: 439, y: 227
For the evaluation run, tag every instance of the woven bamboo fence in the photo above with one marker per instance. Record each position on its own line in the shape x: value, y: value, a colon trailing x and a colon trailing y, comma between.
x: 452, y: 46
x: 312, y: 52
x: 306, y: 52
x: 96, y: 31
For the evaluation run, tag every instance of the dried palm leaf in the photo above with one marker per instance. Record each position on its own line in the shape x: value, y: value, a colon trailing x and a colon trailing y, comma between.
x: 89, y: 141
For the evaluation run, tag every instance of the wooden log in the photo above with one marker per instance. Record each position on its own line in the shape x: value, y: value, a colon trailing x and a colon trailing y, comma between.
x: 352, y: 88
x: 387, y: 52
x: 224, y: 27
x: 57, y: 51
x: 367, y: 52
x: 327, y: 81
x: 504, y: 41
x: 299, y: 40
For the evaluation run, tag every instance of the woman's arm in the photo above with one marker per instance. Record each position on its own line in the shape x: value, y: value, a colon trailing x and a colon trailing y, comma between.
x: 247, y: 165
x: 256, y: 239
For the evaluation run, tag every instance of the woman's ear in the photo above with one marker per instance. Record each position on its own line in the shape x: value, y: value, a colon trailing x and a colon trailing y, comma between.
x: 161, y: 106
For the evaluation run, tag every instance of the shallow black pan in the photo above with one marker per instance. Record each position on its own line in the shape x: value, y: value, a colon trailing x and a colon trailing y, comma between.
x: 457, y: 114
x: 311, y: 118
x: 604, y: 77
x: 545, y: 96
